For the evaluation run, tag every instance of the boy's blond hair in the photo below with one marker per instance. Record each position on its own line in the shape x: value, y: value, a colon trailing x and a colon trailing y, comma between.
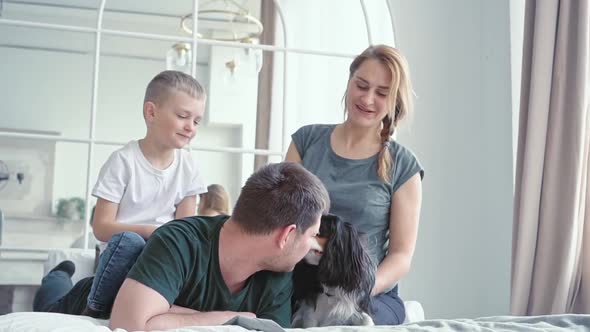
x: 167, y: 81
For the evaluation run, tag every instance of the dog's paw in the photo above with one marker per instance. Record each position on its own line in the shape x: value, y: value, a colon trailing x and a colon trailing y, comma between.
x: 367, y: 320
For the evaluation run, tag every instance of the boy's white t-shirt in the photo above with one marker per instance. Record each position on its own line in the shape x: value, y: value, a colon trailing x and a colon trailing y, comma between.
x: 147, y: 195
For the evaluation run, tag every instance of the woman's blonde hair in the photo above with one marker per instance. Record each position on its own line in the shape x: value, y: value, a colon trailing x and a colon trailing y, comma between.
x: 399, y: 98
x: 216, y: 199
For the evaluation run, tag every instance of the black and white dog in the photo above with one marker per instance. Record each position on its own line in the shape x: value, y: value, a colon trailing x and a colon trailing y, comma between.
x: 333, y: 283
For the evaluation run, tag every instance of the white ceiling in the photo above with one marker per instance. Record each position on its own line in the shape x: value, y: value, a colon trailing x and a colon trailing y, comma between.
x: 151, y: 7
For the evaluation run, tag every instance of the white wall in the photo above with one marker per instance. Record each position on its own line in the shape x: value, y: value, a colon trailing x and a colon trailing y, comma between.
x: 234, y: 99
x: 316, y: 84
x: 517, y: 8
x: 459, y: 52
x: 459, y: 55
x: 35, y: 161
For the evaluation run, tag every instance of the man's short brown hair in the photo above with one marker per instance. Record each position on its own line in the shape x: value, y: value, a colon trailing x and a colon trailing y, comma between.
x: 278, y: 195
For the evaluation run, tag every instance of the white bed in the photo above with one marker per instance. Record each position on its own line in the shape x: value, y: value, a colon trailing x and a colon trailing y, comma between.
x: 37, y: 322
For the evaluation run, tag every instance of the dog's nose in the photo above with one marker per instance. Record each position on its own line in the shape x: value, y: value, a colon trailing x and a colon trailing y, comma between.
x: 315, y: 246
x: 321, y: 241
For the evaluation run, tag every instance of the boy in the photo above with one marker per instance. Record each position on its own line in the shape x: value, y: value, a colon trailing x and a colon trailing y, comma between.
x: 146, y: 183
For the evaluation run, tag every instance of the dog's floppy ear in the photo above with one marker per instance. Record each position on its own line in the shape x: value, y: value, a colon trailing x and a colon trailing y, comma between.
x: 305, y: 284
x: 345, y: 262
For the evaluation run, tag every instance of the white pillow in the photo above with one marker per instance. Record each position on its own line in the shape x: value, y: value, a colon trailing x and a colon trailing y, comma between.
x: 414, y: 311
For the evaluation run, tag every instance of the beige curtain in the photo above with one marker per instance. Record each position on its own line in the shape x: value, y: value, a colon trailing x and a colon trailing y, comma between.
x: 551, y: 235
x: 267, y: 17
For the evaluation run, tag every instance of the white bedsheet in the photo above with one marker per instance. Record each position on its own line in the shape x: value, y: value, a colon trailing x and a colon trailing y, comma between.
x: 38, y: 322
x: 84, y: 261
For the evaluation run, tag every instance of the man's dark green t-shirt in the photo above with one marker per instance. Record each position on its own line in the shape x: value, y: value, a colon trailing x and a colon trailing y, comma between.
x: 181, y: 262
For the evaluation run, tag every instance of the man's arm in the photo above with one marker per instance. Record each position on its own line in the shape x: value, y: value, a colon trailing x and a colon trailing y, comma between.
x: 138, y: 307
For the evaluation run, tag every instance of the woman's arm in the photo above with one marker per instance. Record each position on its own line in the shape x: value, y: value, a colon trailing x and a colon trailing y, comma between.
x: 403, y: 231
x: 293, y: 154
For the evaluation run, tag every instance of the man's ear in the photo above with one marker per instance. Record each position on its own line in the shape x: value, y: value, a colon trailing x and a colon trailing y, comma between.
x: 149, y: 111
x: 285, y: 234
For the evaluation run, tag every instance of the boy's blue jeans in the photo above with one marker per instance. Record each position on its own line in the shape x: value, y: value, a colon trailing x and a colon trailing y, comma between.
x: 113, y: 265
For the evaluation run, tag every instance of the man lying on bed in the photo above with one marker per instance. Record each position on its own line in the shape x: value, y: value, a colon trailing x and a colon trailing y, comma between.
x: 207, y: 270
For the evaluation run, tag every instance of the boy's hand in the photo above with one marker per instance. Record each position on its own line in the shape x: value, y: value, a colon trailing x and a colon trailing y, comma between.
x: 147, y: 230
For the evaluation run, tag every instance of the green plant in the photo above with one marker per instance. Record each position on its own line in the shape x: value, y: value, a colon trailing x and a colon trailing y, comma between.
x: 70, y: 208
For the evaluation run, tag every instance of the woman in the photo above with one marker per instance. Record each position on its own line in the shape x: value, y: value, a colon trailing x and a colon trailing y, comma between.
x: 214, y: 202
x: 373, y: 181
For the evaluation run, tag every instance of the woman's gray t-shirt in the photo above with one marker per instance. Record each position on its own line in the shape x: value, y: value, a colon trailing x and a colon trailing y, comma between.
x: 356, y: 192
